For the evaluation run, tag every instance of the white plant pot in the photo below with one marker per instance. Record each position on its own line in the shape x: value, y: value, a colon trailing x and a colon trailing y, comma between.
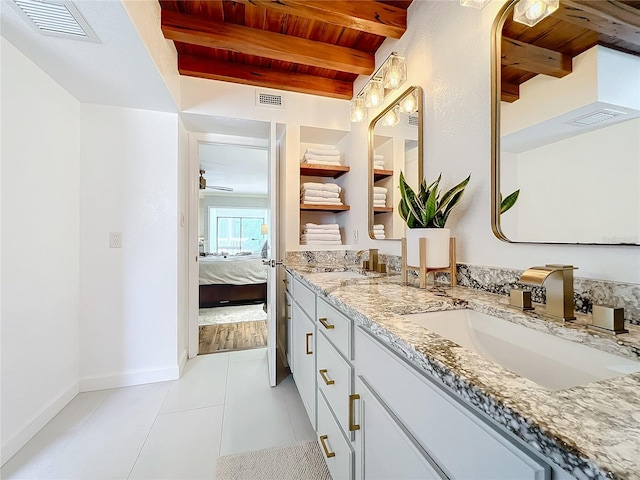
x: 437, y: 246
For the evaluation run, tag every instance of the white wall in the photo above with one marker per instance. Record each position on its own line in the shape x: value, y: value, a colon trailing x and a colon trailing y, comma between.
x: 128, y: 296
x: 183, y: 245
x: 40, y: 262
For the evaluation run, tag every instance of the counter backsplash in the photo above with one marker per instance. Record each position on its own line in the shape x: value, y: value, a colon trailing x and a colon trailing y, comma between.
x: 496, y: 280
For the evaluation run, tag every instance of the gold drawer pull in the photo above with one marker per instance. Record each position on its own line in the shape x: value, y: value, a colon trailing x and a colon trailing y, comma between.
x: 286, y: 282
x: 323, y: 374
x: 309, y: 352
x: 324, y: 447
x: 325, y: 324
x: 287, y: 306
x: 352, y: 424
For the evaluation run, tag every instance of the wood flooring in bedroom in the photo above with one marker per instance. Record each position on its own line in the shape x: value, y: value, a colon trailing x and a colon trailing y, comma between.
x: 228, y: 337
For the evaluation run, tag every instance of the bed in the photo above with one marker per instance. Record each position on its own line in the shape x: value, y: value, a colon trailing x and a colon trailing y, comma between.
x: 232, y: 280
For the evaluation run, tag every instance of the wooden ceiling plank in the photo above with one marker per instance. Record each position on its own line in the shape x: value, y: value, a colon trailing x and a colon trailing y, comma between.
x: 194, y: 30
x: 367, y: 16
x: 203, y: 67
x: 610, y: 17
x: 531, y: 58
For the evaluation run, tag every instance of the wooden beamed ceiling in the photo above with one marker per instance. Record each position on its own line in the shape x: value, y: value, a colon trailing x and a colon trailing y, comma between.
x: 548, y: 48
x: 315, y: 47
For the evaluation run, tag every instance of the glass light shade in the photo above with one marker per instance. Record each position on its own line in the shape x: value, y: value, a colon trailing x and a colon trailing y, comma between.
x: 394, y: 72
x: 530, y: 12
x: 474, y: 3
x: 392, y: 117
x: 373, y: 93
x: 358, y: 110
x: 409, y: 104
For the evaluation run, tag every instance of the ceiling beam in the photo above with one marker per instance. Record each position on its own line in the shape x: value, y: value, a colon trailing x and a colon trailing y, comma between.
x: 202, y: 67
x: 510, y: 92
x: 531, y: 58
x: 366, y: 16
x: 609, y: 17
x: 191, y: 29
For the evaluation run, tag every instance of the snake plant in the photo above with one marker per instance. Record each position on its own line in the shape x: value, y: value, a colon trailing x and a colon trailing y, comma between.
x: 427, y: 209
x: 508, y: 202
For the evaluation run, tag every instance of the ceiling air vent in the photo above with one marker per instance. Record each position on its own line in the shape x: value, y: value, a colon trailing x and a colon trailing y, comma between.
x: 592, y: 118
x: 60, y: 19
x: 269, y: 100
x: 413, y: 120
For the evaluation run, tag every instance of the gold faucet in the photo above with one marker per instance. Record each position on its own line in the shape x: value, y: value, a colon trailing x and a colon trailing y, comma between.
x: 372, y: 263
x: 558, y: 280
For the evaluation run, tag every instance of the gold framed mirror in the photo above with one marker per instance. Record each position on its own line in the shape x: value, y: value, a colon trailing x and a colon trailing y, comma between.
x: 566, y: 125
x: 395, y: 145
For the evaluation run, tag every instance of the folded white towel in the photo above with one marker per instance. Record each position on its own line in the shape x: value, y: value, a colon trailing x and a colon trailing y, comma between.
x: 335, y: 163
x: 379, y: 196
x: 313, y: 199
x: 378, y: 166
x: 378, y: 157
x: 321, y: 158
x: 320, y: 236
x: 379, y: 236
x: 321, y: 242
x: 327, y: 187
x: 321, y: 232
x: 319, y: 193
x: 379, y: 190
x: 378, y: 227
x: 323, y: 151
x: 327, y: 226
x: 381, y: 204
x: 321, y: 202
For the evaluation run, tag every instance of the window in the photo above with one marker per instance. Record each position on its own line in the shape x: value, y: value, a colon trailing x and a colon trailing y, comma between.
x: 239, y: 234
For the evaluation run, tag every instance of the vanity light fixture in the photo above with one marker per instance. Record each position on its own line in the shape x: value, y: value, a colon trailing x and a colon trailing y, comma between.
x: 409, y: 104
x: 392, y: 118
x: 474, y: 3
x: 390, y: 76
x: 530, y: 12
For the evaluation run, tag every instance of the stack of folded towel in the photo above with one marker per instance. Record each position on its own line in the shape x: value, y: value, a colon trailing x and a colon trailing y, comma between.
x: 379, y: 197
x: 378, y: 162
x: 321, y: 156
x: 320, y: 193
x: 321, y: 234
x: 378, y: 232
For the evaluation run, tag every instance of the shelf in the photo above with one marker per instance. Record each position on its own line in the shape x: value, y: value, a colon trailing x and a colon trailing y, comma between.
x: 324, y: 208
x: 380, y: 174
x: 333, y: 171
x: 382, y: 209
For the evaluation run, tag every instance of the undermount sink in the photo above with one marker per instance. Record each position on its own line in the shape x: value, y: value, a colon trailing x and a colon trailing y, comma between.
x: 552, y: 362
x: 342, y: 274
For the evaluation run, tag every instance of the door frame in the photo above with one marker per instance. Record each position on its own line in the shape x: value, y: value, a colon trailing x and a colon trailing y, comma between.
x: 195, y: 140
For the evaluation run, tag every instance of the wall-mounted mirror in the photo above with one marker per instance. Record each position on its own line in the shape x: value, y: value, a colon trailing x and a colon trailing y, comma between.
x: 395, y: 145
x: 566, y: 125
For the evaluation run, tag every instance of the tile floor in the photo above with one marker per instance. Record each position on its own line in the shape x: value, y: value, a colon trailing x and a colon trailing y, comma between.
x: 223, y: 404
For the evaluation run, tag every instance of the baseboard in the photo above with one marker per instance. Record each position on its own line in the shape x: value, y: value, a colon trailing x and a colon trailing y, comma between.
x: 128, y: 379
x: 37, y: 422
x: 182, y: 360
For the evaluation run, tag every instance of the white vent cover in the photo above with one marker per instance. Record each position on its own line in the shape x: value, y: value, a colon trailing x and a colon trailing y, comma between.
x: 413, y: 120
x: 592, y: 118
x: 264, y: 99
x: 57, y: 18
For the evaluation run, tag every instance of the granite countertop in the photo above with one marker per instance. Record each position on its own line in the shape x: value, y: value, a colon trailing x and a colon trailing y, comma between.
x: 591, y: 431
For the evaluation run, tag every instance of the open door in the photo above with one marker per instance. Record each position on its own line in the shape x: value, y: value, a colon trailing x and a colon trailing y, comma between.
x: 274, y: 258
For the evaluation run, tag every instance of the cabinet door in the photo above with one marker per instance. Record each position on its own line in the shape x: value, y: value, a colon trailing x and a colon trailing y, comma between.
x: 304, y: 348
x: 383, y: 448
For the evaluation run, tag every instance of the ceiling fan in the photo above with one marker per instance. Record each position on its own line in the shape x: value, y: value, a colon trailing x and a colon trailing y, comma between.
x: 203, y: 184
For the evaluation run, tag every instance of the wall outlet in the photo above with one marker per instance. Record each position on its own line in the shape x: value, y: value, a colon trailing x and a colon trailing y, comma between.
x: 115, y: 239
x: 356, y: 236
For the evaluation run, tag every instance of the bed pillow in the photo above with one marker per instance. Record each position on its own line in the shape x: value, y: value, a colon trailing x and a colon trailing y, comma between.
x: 265, y: 250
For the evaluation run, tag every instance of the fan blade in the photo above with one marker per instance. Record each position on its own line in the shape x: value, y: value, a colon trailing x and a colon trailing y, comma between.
x: 223, y: 189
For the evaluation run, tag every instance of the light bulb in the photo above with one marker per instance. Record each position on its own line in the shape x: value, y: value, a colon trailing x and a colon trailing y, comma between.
x: 530, y: 12
x: 409, y: 104
x: 373, y: 93
x: 394, y: 72
x: 358, y: 110
x: 535, y: 10
x: 392, y: 117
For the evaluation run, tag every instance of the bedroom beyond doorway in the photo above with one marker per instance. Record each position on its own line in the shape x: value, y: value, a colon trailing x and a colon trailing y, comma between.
x: 237, y: 327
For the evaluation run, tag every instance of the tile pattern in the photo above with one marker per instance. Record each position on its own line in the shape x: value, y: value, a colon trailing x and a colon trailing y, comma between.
x: 171, y: 430
x: 591, y: 431
x: 587, y: 292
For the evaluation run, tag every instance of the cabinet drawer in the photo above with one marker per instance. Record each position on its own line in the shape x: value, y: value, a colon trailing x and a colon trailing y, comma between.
x: 336, y: 327
x: 304, y: 297
x: 335, y: 448
x: 288, y: 282
x: 334, y: 378
x: 461, y: 443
